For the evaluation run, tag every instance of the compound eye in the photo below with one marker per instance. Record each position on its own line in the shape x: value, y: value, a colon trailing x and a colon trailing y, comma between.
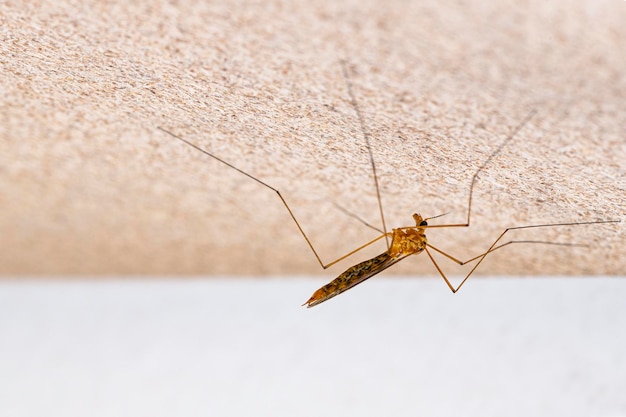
x: 423, y: 223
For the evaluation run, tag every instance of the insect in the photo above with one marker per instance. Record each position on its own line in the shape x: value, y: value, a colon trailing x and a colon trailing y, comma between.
x: 403, y: 241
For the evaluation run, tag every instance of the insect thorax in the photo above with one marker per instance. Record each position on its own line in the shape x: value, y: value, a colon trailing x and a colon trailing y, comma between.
x: 408, y: 241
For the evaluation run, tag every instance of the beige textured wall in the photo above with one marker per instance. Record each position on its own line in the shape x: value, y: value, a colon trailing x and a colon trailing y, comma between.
x: 88, y: 185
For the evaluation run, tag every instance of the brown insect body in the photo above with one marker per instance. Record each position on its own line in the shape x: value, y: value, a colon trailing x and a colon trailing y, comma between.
x: 404, y: 242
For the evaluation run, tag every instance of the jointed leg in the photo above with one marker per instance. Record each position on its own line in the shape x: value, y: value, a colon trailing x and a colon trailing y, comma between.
x: 204, y: 151
x: 494, y: 246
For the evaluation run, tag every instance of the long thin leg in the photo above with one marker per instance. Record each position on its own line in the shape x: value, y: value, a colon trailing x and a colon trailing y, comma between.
x: 385, y: 235
x: 354, y: 216
x: 493, y: 247
x: 475, y: 176
x: 541, y: 242
x: 373, y: 164
x: 366, y: 135
x: 484, y: 164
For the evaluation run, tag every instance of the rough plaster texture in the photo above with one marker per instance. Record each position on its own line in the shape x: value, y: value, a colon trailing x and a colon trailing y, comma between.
x: 88, y: 185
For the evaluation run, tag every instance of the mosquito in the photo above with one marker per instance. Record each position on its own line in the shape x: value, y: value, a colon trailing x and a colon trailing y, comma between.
x: 405, y: 241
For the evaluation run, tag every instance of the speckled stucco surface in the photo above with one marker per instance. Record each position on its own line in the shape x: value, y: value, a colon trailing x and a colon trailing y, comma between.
x: 89, y: 185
